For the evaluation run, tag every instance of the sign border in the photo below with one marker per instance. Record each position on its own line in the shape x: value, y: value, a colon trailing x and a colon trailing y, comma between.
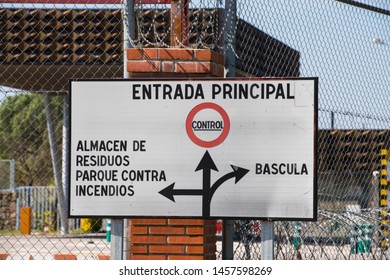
x: 315, y: 146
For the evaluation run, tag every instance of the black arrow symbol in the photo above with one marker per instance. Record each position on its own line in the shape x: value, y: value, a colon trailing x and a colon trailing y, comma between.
x: 170, y: 193
x: 206, y: 164
x: 238, y: 173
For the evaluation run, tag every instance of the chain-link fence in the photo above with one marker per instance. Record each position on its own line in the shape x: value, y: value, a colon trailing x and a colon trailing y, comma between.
x: 42, y: 46
x: 346, y: 46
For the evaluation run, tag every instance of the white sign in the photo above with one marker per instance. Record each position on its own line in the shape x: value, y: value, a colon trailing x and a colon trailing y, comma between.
x: 201, y: 148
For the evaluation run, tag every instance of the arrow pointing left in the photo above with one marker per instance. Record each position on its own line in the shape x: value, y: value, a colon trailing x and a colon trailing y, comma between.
x: 170, y: 193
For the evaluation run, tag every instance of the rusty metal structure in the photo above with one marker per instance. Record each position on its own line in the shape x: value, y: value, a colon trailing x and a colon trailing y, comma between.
x: 49, y: 47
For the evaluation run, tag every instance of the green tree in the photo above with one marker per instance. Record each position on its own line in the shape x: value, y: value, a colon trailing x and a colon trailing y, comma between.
x: 24, y: 138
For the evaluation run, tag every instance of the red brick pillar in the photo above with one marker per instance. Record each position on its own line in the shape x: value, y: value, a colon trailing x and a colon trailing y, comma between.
x: 165, y: 238
x: 169, y: 63
x: 172, y: 239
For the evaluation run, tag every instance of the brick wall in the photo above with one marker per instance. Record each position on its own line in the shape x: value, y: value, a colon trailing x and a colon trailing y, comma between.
x: 160, y: 62
x: 172, y: 239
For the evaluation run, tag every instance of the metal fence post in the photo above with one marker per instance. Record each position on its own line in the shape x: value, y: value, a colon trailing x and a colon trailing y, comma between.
x: 230, y: 65
x: 12, y: 174
x: 128, y: 34
x: 267, y: 240
x: 65, y: 146
x: 19, y: 195
x: 227, y: 239
x: 230, y: 37
x: 116, y: 239
x: 56, y: 165
x: 65, y: 154
x: 130, y: 24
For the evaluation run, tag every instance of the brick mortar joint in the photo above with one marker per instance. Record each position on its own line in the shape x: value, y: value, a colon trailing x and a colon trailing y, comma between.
x: 175, y: 61
x: 194, y: 53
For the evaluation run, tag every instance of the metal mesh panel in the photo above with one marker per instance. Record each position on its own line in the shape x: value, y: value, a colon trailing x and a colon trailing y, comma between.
x: 42, y: 46
x: 337, y: 235
x: 7, y: 174
x: 351, y: 61
x: 49, y: 46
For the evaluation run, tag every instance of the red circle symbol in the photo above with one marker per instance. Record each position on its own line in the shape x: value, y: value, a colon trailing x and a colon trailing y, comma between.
x: 191, y: 134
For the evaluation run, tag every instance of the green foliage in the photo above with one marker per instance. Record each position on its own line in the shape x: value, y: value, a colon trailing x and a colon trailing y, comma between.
x: 5, y: 175
x: 24, y: 138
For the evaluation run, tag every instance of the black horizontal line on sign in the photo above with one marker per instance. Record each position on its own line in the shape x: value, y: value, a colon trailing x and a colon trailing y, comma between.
x: 199, y: 129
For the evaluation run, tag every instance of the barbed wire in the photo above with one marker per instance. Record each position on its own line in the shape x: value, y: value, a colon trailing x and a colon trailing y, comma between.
x: 42, y: 46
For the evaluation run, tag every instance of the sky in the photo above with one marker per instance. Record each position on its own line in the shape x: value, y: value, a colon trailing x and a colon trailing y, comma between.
x: 335, y: 41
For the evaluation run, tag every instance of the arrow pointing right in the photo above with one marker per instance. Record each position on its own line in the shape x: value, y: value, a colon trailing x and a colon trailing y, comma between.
x: 238, y: 173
